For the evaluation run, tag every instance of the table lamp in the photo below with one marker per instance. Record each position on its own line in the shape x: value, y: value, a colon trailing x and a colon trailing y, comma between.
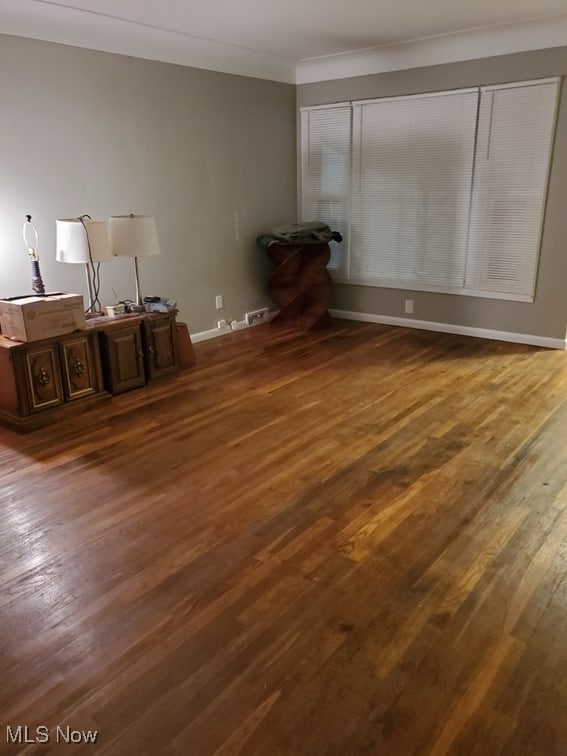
x: 84, y: 240
x: 31, y: 242
x: 133, y: 236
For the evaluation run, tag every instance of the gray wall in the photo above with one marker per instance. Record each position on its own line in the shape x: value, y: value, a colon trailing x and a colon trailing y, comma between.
x: 547, y: 315
x: 92, y: 132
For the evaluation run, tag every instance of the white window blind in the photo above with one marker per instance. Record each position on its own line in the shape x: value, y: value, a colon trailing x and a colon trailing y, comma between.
x: 515, y: 135
x: 325, y: 172
x: 412, y: 177
x: 441, y: 192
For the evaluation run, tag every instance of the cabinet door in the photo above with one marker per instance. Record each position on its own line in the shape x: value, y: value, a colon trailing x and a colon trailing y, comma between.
x: 161, y: 347
x: 43, y: 379
x: 124, y: 359
x: 79, y: 368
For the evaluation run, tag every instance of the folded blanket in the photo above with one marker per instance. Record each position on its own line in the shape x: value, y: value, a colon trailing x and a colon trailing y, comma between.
x: 300, y: 233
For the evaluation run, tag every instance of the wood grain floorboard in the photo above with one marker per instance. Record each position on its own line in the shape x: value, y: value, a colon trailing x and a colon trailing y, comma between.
x: 351, y: 541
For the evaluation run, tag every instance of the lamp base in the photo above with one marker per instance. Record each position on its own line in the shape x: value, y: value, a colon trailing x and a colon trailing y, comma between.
x: 139, y: 300
x: 37, y: 281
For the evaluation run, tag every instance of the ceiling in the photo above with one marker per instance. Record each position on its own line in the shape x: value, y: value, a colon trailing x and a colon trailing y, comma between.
x: 288, y: 39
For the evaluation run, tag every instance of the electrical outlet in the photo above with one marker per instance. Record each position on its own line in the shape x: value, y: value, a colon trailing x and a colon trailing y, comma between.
x: 218, y: 302
x: 221, y: 323
x: 257, y: 316
x: 408, y: 308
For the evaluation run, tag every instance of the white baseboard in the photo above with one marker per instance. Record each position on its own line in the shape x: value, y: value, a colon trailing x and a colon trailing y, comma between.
x: 236, y: 325
x: 211, y: 334
x: 428, y: 325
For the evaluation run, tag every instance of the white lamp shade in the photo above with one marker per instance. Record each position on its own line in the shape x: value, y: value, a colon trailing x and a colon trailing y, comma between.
x: 133, y: 235
x: 78, y: 243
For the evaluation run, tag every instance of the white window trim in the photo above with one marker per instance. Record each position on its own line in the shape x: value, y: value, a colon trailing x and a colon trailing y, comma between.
x: 390, y: 283
x: 420, y: 96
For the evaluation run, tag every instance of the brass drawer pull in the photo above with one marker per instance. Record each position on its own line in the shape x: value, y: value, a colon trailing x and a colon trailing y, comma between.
x: 79, y: 367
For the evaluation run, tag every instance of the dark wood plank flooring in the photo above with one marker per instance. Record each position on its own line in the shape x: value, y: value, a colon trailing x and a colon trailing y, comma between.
x: 346, y: 542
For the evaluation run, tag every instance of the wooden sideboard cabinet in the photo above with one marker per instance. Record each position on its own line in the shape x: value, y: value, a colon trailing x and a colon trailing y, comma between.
x: 40, y: 380
x: 136, y: 349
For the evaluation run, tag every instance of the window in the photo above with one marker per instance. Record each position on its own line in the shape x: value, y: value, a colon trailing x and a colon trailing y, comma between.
x: 325, y: 151
x: 515, y: 132
x: 441, y: 192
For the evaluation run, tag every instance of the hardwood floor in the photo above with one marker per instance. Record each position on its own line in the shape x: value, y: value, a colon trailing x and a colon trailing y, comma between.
x: 346, y: 542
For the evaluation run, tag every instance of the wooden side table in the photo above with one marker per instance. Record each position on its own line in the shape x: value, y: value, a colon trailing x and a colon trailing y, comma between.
x: 300, y: 283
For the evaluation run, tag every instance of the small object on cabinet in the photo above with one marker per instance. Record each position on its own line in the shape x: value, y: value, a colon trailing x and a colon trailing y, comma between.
x: 157, y: 304
x: 114, y: 310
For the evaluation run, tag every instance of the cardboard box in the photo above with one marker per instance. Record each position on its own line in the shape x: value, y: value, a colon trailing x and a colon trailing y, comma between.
x: 34, y: 318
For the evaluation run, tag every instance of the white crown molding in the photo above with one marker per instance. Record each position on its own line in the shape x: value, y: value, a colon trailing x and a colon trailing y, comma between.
x: 52, y: 22
x: 70, y: 26
x: 449, y: 48
x: 428, y: 325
